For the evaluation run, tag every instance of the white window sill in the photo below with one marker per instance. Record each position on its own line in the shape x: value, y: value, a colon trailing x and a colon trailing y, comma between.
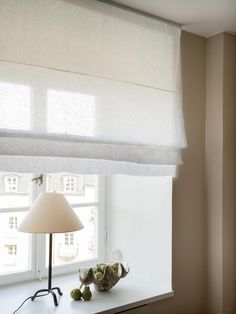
x: 127, y: 294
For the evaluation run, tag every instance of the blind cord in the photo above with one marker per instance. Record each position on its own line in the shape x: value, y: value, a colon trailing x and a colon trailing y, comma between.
x: 38, y: 296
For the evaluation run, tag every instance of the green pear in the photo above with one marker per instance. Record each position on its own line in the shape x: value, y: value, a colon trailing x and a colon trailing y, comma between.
x: 86, y: 294
x: 76, y: 294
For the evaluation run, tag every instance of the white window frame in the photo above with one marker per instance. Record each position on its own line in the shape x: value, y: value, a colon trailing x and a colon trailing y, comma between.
x: 37, y: 243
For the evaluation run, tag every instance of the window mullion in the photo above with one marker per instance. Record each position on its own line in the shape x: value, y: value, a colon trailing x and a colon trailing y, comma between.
x: 40, y: 245
x: 38, y: 124
x: 74, y: 205
x: 102, y: 223
x: 13, y: 209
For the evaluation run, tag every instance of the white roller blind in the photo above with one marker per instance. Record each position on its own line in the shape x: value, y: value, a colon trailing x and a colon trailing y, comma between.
x: 117, y: 110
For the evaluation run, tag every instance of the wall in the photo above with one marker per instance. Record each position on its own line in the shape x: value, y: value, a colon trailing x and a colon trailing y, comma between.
x: 221, y: 171
x: 204, y: 224
x: 229, y: 174
x: 214, y: 169
x: 189, y: 212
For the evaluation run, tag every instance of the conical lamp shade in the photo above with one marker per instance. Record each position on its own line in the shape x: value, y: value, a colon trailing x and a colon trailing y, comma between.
x: 50, y: 213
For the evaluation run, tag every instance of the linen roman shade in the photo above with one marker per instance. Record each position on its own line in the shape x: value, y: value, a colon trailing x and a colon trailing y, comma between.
x: 115, y: 108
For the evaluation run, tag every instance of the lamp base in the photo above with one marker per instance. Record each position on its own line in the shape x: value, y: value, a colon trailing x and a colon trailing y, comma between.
x: 37, y: 293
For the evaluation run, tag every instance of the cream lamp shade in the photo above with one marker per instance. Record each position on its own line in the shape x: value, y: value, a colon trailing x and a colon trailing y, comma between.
x: 50, y: 213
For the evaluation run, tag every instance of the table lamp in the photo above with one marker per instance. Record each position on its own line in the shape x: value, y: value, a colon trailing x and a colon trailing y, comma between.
x: 50, y: 213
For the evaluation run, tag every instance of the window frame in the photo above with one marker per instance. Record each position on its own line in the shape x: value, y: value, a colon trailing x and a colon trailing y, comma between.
x: 37, y: 242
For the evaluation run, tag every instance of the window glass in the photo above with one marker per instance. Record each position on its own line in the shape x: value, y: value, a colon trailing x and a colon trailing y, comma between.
x: 80, y: 191
x: 76, y: 188
x: 14, y: 202
x: 16, y: 196
x: 14, y: 245
x: 15, y: 190
x: 77, y: 246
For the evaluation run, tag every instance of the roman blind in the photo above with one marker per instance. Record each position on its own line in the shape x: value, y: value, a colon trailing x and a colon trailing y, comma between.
x: 108, y: 101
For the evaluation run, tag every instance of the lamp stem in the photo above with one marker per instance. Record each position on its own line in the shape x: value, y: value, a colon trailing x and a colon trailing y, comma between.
x: 50, y: 263
x: 50, y: 289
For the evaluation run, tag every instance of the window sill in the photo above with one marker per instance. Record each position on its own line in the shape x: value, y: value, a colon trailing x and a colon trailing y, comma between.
x: 128, y: 293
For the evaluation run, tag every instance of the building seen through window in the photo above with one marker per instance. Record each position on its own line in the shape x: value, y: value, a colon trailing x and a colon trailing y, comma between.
x: 69, y: 238
x: 11, y: 183
x: 11, y: 249
x: 13, y: 222
x: 69, y: 184
x: 10, y: 256
x: 15, y: 200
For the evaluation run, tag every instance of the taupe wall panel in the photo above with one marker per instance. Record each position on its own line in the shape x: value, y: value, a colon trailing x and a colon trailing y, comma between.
x: 189, y: 212
x: 229, y: 173
x: 214, y: 170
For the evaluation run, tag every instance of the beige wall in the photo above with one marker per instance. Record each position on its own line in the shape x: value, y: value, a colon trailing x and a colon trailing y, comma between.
x: 229, y: 174
x: 189, y: 212
x: 204, y: 203
x: 214, y: 170
x: 221, y: 171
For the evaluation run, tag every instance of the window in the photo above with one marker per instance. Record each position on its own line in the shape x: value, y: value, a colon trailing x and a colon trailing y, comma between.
x: 69, y: 238
x: 10, y: 257
x: 87, y: 247
x: 18, y: 250
x: 74, y: 247
x: 89, y: 122
x: 11, y: 249
x: 15, y: 247
x: 13, y: 222
x: 69, y: 184
x: 11, y: 183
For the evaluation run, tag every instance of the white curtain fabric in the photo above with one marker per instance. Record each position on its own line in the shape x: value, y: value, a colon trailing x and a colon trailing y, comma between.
x: 119, y: 112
